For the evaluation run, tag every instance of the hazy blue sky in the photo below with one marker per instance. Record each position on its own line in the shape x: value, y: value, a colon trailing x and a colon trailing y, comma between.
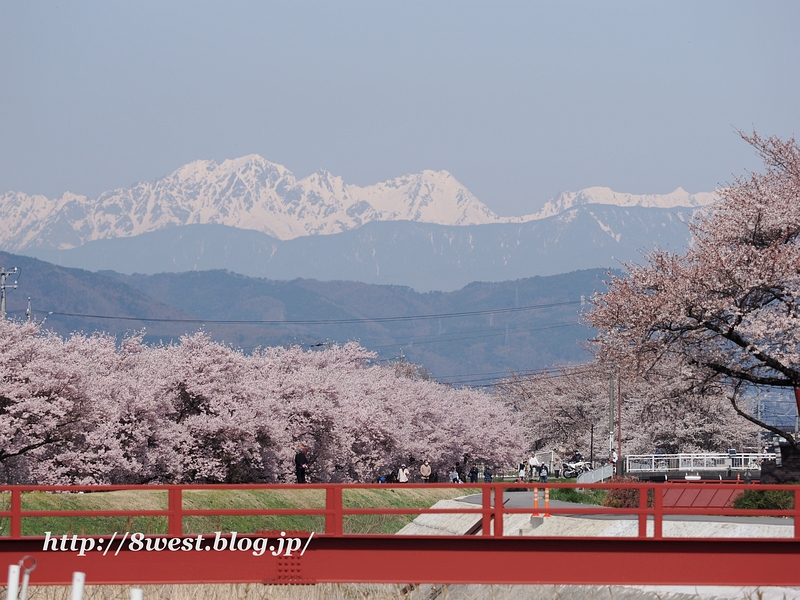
x: 518, y: 100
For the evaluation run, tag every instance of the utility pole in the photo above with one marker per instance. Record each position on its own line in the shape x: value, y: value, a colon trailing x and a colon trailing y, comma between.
x: 758, y: 404
x: 619, y: 425
x: 611, y: 414
x: 3, y: 285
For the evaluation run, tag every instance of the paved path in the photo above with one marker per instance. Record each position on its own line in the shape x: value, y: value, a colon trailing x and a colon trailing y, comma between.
x: 593, y: 525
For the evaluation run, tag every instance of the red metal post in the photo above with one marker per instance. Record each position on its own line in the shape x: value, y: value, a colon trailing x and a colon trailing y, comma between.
x: 618, y: 470
x: 488, y: 514
x: 334, y: 520
x: 797, y: 514
x: 175, y: 510
x: 643, y: 508
x: 16, y: 513
x: 658, y: 511
x: 498, y: 511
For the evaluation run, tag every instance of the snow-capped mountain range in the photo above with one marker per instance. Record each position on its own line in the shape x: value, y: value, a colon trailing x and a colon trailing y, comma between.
x: 252, y: 193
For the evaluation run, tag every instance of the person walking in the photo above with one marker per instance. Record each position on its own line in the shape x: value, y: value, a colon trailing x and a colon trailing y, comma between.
x: 460, y: 471
x: 402, y: 474
x: 533, y: 465
x: 454, y: 478
x: 543, y: 473
x: 300, y: 464
x: 487, y: 475
x: 425, y: 471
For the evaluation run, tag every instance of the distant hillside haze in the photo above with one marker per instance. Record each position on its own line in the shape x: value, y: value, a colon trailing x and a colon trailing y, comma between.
x: 423, y: 256
x: 254, y: 217
x: 526, y: 324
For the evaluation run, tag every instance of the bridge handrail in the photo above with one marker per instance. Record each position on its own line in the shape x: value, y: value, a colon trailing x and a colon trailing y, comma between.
x: 492, y: 509
x: 698, y: 461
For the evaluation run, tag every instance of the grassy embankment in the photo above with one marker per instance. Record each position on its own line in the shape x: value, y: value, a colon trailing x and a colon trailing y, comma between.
x: 145, y: 500
x: 581, y: 497
x: 584, y: 496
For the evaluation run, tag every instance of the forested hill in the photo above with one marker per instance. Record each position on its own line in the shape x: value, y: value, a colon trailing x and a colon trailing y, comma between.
x: 534, y: 322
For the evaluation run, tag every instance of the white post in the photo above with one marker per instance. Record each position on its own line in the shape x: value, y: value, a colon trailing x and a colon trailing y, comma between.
x: 78, y: 579
x: 136, y: 594
x: 13, y: 582
x: 26, y: 578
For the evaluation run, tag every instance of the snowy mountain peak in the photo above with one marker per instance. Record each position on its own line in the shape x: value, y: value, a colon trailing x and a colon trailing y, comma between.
x: 251, y: 192
x: 603, y: 195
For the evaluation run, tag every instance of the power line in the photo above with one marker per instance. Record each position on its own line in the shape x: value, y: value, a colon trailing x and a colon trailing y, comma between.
x: 417, y: 339
x: 473, y: 337
x: 324, y: 321
x: 543, y: 374
x: 506, y: 372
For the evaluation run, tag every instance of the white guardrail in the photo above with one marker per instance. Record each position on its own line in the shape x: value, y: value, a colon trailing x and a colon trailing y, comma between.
x: 665, y: 463
x: 598, y: 474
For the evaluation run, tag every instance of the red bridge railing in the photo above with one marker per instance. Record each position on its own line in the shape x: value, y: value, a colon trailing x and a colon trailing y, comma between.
x: 333, y: 552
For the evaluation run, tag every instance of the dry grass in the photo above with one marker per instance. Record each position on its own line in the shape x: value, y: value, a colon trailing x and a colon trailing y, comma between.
x: 225, y: 592
x: 397, y: 592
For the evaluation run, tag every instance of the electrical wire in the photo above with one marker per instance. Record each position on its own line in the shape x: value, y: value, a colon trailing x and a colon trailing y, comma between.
x: 546, y: 373
x: 466, y: 378
x: 320, y: 321
x: 413, y: 342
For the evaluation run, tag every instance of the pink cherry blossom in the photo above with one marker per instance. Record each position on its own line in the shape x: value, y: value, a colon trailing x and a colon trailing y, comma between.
x: 726, y: 311
x: 91, y: 410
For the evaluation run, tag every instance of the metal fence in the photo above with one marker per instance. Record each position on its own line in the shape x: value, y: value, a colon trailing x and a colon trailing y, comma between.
x: 666, y: 463
x: 598, y: 474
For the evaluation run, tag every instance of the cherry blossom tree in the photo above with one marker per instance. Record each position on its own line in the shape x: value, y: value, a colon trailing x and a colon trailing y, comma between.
x: 725, y: 312
x: 90, y: 410
x: 56, y: 418
x: 564, y: 406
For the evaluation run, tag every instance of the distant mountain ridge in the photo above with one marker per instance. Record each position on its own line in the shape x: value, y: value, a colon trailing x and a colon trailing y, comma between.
x: 680, y: 198
x: 246, y: 193
x: 313, y: 313
x: 254, y: 217
x: 423, y: 256
x: 254, y: 194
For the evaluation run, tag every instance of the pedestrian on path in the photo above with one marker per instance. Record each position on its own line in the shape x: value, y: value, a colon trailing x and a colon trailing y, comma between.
x: 454, y: 478
x: 487, y: 475
x: 402, y: 474
x: 300, y: 464
x: 533, y: 465
x: 425, y: 471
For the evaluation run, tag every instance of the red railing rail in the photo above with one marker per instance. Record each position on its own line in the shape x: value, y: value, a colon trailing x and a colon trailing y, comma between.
x: 336, y: 555
x: 491, y: 508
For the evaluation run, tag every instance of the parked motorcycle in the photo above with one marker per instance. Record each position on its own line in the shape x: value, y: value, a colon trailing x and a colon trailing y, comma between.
x: 573, y: 469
